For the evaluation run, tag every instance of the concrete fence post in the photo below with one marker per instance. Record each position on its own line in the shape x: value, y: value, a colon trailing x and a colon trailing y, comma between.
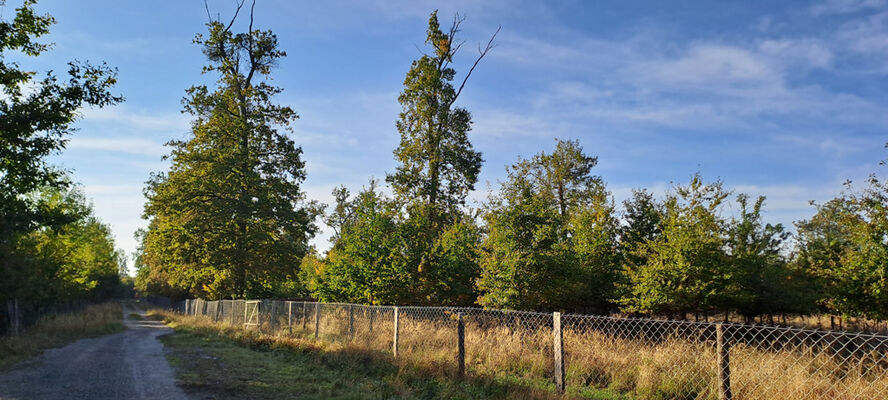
x: 317, y: 319
x: 290, y: 317
x: 395, y: 336
x: 723, y: 351
x: 461, y: 345
x: 558, y: 349
x: 351, y: 321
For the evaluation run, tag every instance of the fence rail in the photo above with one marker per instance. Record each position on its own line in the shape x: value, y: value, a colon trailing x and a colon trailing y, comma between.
x: 646, y: 358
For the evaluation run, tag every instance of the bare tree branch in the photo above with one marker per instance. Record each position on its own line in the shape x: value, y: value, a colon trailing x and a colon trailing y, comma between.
x: 490, y: 45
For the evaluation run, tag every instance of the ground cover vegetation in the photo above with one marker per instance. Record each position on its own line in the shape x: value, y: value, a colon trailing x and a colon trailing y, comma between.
x: 58, y: 330
x: 229, y: 220
x: 222, y: 360
x: 52, y: 247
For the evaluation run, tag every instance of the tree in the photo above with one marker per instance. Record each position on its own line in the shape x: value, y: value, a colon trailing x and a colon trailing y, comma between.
x: 438, y: 165
x: 34, y: 124
x: 552, y: 235
x: 761, y: 281
x: 686, y: 267
x: 643, y: 215
x: 229, y: 219
x: 845, y: 246
x: 365, y: 264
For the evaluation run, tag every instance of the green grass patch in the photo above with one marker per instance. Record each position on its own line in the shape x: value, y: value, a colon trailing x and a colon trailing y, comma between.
x: 59, y: 330
x: 213, y: 363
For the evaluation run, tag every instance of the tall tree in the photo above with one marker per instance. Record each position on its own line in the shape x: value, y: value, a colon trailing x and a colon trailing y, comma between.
x: 438, y: 165
x: 34, y: 124
x: 229, y: 219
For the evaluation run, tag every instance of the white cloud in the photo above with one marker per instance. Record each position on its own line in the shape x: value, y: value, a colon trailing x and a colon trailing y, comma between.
x: 123, y: 146
x: 175, y: 122
x: 830, y: 7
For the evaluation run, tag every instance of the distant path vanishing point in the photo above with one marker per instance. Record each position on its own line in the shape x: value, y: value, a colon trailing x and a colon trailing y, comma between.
x: 126, y: 365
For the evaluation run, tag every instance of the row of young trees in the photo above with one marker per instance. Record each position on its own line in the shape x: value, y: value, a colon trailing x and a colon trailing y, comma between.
x: 52, y: 247
x: 229, y: 218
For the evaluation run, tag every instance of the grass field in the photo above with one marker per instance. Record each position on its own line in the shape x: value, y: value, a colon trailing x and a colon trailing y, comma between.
x: 59, y: 330
x: 217, y: 361
x: 599, y: 365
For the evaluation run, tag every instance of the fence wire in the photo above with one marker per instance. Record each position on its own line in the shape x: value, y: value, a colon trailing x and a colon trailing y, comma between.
x: 643, y: 358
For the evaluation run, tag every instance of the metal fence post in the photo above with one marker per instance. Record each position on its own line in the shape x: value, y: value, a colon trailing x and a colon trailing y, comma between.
x: 461, y: 345
x: 290, y: 317
x: 317, y: 319
x: 395, y: 338
x: 723, y: 350
x: 558, y: 348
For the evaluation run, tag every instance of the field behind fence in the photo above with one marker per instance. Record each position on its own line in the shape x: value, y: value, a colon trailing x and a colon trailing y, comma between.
x: 643, y: 358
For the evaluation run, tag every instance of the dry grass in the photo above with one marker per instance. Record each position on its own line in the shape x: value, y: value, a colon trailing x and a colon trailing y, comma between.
x: 58, y: 330
x: 598, y: 365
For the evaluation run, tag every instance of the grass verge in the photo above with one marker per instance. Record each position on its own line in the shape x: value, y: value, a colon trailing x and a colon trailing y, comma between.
x: 218, y: 361
x: 59, y: 330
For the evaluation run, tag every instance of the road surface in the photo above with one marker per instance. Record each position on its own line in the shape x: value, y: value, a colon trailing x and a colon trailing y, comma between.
x: 126, y: 365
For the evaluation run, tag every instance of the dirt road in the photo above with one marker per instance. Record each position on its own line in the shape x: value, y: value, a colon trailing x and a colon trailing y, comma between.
x: 126, y: 365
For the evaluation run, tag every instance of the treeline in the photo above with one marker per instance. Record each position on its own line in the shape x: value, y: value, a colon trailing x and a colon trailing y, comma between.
x: 52, y: 247
x: 228, y: 220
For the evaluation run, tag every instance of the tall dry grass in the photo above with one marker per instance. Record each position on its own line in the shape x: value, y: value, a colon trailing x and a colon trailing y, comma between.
x: 670, y: 367
x: 58, y: 330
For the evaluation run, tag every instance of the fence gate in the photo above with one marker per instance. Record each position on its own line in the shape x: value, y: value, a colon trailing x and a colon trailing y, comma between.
x: 251, y: 313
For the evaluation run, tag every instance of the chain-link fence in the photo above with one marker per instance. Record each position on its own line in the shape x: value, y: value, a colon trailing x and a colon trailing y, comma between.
x: 644, y: 358
x: 16, y: 316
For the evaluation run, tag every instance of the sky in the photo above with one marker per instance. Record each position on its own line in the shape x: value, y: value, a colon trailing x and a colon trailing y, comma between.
x: 783, y: 99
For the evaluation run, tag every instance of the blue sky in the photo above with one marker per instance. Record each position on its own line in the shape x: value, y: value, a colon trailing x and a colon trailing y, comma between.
x: 786, y: 99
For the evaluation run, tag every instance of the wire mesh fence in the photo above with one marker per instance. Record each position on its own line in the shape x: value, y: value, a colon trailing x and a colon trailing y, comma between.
x: 644, y: 358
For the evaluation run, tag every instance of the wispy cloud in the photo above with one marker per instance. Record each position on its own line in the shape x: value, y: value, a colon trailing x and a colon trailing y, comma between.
x: 122, y: 145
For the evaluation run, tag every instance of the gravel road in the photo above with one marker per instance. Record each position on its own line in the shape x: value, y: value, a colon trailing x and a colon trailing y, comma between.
x: 126, y: 365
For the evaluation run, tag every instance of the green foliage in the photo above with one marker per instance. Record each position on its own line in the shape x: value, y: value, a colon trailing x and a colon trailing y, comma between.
x: 686, y: 267
x: 761, y: 280
x: 75, y: 260
x: 365, y: 264
x: 229, y: 219
x: 845, y: 247
x: 552, y: 235
x: 36, y: 117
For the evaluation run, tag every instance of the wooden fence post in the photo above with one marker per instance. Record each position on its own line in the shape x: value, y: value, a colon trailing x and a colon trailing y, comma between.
x: 461, y: 345
x: 723, y: 350
x: 290, y: 317
x: 558, y: 348
x: 395, y: 338
x: 317, y: 319
x: 304, y: 314
x: 372, y: 312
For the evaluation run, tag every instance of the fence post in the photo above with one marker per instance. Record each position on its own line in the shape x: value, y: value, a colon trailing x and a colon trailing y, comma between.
x: 461, y: 344
x: 395, y: 338
x: 304, y: 314
x: 723, y: 350
x: 372, y: 312
x: 351, y: 321
x: 290, y: 317
x: 558, y: 348
x: 317, y: 319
